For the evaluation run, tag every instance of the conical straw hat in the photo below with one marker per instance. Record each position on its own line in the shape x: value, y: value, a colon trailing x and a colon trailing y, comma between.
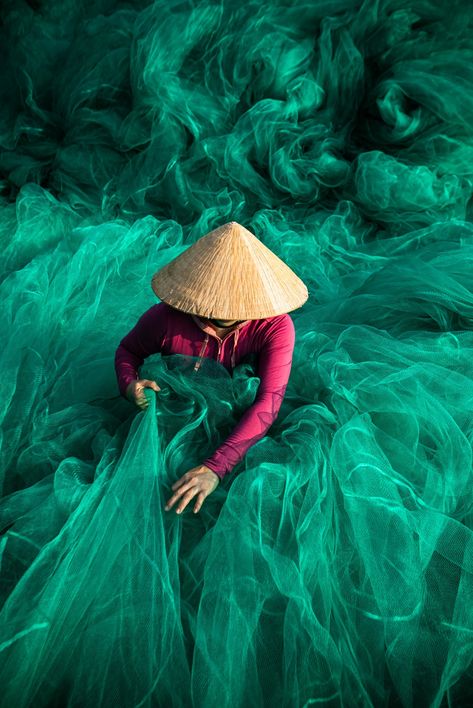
x: 229, y: 274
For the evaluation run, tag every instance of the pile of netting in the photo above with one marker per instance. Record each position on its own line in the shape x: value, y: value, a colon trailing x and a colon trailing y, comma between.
x: 334, y: 562
x: 334, y: 565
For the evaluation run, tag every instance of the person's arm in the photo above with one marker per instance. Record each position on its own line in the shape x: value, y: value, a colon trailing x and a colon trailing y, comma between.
x: 274, y: 368
x: 143, y: 340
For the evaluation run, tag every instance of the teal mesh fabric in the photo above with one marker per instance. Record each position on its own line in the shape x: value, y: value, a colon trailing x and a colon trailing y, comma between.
x: 334, y: 565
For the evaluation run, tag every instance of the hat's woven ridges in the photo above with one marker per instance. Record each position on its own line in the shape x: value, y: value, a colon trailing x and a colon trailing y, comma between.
x: 276, y: 277
x: 230, y: 274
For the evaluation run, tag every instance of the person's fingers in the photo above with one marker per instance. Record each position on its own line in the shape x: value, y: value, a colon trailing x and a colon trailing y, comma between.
x: 186, y: 499
x: 178, y: 494
x: 140, y: 398
x: 182, y: 480
x: 150, y: 384
x: 139, y: 394
x: 199, y: 502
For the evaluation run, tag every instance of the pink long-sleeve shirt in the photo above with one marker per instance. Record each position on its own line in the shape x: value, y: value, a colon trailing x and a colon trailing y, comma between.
x: 165, y: 329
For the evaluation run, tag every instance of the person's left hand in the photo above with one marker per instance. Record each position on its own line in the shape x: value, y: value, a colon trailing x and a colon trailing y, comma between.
x: 199, y: 480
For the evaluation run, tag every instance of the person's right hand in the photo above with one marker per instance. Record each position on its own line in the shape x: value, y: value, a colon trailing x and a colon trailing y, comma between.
x: 135, y: 391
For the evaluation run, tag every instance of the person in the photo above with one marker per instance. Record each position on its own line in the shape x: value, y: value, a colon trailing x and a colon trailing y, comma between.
x: 227, y: 297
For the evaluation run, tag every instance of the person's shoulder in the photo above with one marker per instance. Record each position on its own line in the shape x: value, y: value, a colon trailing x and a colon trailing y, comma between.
x: 283, y: 321
x: 172, y: 314
x: 170, y: 317
x: 161, y: 309
x: 277, y: 327
x: 157, y: 313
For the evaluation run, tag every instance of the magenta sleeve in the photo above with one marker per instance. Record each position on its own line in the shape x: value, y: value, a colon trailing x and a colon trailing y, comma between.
x: 274, y: 368
x: 143, y: 340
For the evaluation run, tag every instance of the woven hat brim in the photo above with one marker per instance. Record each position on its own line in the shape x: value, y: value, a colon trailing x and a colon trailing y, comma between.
x: 229, y: 274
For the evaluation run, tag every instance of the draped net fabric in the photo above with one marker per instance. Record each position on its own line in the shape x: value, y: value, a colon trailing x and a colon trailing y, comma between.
x: 334, y: 565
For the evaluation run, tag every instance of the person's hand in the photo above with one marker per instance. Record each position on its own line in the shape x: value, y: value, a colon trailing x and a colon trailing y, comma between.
x: 199, y: 480
x: 135, y: 391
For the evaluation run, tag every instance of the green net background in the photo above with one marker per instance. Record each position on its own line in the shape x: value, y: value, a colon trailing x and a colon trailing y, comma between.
x: 334, y: 566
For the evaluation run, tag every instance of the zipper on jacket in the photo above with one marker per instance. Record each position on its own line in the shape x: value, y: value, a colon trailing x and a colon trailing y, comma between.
x: 201, y: 353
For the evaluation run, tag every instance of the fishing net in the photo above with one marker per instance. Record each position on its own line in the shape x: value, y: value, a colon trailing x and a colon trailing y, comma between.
x: 334, y: 565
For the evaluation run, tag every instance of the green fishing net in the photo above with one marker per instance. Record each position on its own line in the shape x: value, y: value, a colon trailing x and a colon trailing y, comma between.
x: 334, y: 565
